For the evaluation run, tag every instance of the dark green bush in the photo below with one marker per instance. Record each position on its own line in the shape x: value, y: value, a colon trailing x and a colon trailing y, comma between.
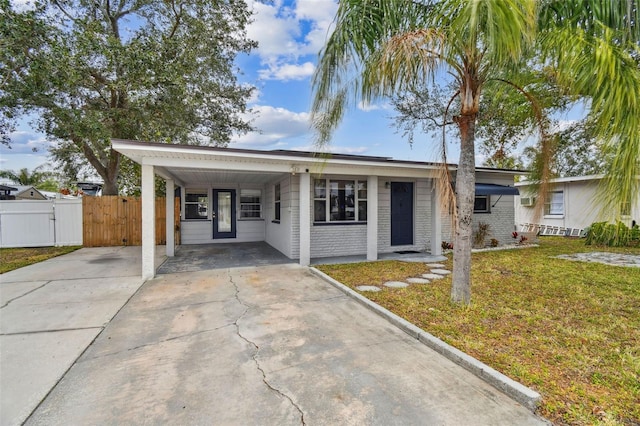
x: 613, y: 235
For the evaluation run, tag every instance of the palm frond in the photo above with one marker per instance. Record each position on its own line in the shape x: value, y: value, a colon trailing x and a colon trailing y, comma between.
x: 603, y: 70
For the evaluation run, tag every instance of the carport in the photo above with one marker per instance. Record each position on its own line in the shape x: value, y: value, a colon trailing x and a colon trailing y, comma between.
x: 287, y: 220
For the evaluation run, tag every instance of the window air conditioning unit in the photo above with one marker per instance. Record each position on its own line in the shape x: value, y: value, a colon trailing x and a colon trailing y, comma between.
x: 527, y: 201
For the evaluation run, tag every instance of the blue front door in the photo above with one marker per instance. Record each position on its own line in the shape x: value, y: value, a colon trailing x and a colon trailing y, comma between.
x: 224, y: 213
x: 401, y: 213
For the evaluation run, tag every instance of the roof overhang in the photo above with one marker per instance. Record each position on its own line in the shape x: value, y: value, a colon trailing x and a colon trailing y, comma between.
x: 194, y: 165
x: 197, y: 164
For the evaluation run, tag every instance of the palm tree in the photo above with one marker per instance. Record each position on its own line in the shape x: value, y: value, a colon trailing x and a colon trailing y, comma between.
x: 593, y: 47
x: 34, y: 178
x: 384, y: 47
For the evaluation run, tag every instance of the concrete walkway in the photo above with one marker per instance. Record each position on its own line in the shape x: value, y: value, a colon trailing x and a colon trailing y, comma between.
x: 257, y: 345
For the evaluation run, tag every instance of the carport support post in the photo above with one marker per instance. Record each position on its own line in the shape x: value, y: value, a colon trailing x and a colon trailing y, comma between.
x: 305, y: 219
x: 148, y: 222
x: 372, y: 218
x: 170, y: 207
x: 436, y: 221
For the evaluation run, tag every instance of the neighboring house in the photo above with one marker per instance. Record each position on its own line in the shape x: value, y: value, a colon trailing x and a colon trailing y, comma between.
x: 27, y: 192
x: 307, y: 205
x: 571, y: 204
x: 5, y: 192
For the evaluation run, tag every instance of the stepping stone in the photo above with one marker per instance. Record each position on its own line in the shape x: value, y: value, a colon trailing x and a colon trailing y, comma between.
x: 418, y: 281
x: 367, y: 288
x: 436, y: 265
x: 432, y: 276
x: 441, y: 271
x: 396, y: 284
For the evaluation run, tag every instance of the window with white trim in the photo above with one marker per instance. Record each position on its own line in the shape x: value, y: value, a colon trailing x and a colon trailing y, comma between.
x: 196, y: 204
x: 339, y: 200
x: 250, y: 204
x: 481, y: 204
x: 554, y: 204
x: 277, y: 203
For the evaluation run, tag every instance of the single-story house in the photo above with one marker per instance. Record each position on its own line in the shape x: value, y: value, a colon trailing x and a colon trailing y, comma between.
x: 306, y: 205
x: 571, y: 205
x: 26, y: 192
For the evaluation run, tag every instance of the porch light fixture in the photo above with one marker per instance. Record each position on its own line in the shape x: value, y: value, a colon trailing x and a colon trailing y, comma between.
x: 294, y: 170
x: 387, y: 185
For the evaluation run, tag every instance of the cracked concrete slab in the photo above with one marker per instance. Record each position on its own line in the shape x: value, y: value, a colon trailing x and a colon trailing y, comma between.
x: 32, y: 364
x: 264, y: 345
x: 12, y: 291
x: 68, y: 304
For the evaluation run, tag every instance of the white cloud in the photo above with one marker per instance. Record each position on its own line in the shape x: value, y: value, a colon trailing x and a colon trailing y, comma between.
x: 321, y: 14
x: 373, y: 107
x: 274, y: 125
x: 274, y: 29
x: 287, y: 72
x: 25, y: 142
x: 287, y: 31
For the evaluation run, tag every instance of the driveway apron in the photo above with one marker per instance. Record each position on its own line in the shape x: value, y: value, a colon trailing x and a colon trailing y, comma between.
x: 264, y: 345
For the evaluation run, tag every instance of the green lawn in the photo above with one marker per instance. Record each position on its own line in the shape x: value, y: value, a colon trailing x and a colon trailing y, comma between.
x: 14, y: 258
x: 570, y: 330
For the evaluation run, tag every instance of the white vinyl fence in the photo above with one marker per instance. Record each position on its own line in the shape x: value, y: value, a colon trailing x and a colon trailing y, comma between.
x: 31, y: 223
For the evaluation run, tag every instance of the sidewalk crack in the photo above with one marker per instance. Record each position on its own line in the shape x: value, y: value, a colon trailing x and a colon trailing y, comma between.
x: 159, y: 342
x: 257, y: 351
x: 23, y: 295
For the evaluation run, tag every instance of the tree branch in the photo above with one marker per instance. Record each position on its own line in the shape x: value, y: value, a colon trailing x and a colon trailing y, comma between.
x: 64, y: 11
x: 178, y: 15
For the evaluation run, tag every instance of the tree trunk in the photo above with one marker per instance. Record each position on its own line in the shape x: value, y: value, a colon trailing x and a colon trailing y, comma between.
x: 465, y: 196
x: 113, y: 171
x: 109, y: 172
x: 110, y: 186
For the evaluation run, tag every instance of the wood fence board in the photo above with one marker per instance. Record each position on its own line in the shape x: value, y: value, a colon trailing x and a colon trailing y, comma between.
x: 117, y: 221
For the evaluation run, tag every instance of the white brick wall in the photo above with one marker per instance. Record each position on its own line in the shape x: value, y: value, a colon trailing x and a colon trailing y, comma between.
x: 344, y: 240
x: 338, y: 240
x: 501, y: 220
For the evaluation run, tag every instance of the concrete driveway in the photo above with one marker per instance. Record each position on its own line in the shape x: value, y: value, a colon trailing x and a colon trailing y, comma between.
x: 255, y: 345
x: 50, y: 313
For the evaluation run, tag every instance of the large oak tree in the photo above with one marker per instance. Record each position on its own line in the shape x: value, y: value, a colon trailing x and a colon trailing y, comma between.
x: 93, y: 70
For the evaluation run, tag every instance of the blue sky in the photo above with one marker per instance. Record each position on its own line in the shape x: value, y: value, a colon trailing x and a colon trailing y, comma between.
x: 290, y: 33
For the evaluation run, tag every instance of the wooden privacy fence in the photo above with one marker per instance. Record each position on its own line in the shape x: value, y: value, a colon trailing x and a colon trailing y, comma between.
x: 117, y: 221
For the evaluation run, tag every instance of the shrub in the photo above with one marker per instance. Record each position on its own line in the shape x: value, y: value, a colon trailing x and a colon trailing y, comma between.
x: 613, y: 235
x: 446, y: 245
x: 494, y: 242
x: 481, y: 233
